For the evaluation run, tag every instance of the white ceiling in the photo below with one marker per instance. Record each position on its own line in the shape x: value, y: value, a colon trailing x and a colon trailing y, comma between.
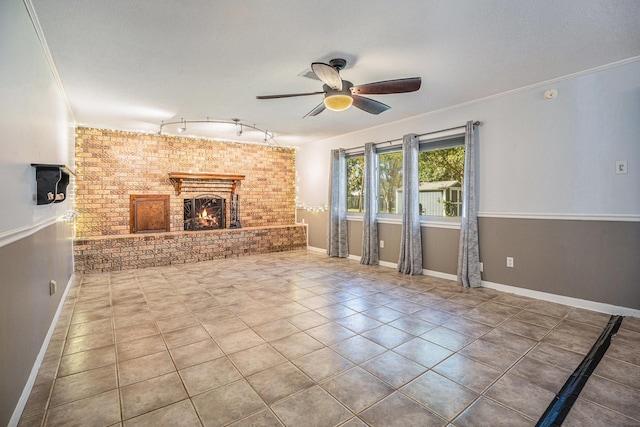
x: 131, y: 64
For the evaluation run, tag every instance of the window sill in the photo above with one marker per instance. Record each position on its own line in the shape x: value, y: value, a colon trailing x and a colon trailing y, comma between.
x: 440, y: 222
x: 425, y: 221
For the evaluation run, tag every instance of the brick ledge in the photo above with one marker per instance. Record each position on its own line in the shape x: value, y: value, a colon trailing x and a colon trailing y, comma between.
x: 173, y: 234
x: 132, y: 251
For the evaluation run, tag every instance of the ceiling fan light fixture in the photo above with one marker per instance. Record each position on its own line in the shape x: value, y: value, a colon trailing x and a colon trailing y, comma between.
x: 340, y: 94
x: 338, y: 102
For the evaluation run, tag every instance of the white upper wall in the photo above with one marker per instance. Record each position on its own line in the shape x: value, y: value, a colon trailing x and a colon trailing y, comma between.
x: 536, y: 156
x: 34, y: 118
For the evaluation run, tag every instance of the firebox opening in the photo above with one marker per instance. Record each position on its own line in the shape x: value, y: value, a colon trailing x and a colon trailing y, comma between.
x: 204, y: 212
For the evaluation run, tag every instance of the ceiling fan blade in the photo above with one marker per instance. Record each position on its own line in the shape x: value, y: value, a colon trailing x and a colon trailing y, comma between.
x: 388, y: 86
x: 288, y: 95
x: 369, y: 105
x: 327, y: 74
x: 319, y: 109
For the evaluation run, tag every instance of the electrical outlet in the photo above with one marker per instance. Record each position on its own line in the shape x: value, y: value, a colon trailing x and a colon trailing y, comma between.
x: 510, y: 261
x: 52, y: 287
x: 481, y: 267
x: 382, y: 243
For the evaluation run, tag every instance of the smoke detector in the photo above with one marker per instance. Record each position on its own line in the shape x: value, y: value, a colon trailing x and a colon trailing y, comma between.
x: 551, y: 93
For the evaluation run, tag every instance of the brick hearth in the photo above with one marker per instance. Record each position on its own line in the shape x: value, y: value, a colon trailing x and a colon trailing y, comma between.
x: 114, y: 253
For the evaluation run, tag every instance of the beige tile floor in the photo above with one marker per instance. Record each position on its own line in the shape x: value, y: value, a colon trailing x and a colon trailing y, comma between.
x: 300, y: 339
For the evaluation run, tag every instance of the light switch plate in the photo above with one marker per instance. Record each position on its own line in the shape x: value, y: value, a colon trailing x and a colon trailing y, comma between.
x: 621, y: 167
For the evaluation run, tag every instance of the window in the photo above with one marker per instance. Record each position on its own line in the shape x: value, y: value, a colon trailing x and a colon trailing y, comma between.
x: 441, y: 174
x: 355, y: 181
x: 440, y: 171
x: 390, y: 182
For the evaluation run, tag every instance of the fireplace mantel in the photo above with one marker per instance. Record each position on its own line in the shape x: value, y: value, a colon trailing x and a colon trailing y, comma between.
x: 227, y: 180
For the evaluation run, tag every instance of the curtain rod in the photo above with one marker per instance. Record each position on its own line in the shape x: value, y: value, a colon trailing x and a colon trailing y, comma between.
x: 476, y: 123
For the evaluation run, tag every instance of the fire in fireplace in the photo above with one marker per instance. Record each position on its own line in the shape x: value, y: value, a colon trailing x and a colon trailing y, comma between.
x: 204, y: 212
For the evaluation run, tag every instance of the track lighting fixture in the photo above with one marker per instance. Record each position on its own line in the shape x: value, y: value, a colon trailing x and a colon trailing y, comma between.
x: 237, y: 122
x: 268, y: 136
x: 184, y: 127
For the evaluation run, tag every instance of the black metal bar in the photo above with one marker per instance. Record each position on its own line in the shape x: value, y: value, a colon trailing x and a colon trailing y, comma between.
x: 566, y: 397
x: 234, y: 212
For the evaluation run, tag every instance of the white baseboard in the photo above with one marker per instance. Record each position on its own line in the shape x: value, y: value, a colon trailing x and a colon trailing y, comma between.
x: 388, y: 264
x: 26, y: 392
x: 560, y: 299
x: 440, y: 275
x: 545, y: 296
x: 380, y: 263
x: 314, y: 249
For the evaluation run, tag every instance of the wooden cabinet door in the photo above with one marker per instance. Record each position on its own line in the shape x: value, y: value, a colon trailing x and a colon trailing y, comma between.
x: 149, y: 213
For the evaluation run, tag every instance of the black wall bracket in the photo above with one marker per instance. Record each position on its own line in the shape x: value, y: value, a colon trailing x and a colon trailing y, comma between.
x: 51, y: 183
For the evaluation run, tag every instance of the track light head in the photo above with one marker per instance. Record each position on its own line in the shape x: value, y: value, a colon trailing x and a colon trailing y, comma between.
x: 183, y: 128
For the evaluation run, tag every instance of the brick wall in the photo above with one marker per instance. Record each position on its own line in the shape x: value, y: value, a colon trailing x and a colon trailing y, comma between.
x: 111, y: 165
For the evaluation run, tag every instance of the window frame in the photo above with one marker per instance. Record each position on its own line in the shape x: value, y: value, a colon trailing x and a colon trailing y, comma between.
x: 347, y: 157
x: 439, y: 141
x: 442, y: 143
x: 396, y: 148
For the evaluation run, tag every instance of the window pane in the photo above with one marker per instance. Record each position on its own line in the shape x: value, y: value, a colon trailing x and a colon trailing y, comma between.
x: 441, y: 176
x: 390, y: 183
x: 355, y: 171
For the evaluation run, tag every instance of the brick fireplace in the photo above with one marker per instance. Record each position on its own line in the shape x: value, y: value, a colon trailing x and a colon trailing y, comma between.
x: 257, y: 184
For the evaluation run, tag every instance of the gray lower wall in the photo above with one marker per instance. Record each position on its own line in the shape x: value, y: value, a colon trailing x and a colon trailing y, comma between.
x: 26, y: 308
x: 440, y: 249
x: 354, y: 231
x: 317, y: 221
x: 440, y: 252
x: 592, y: 260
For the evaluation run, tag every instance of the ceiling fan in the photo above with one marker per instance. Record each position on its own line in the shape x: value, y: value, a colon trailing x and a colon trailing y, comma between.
x: 341, y: 94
